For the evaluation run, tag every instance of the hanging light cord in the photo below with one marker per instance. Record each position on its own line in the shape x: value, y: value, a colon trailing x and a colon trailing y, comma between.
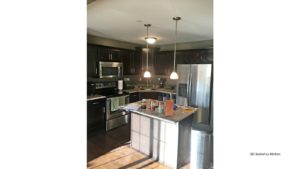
x: 175, y: 45
x: 147, y: 48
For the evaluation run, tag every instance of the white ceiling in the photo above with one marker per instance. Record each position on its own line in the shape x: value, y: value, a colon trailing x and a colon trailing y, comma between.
x: 124, y: 20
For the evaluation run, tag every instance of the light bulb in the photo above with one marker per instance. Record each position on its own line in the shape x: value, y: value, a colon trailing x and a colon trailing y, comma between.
x: 150, y: 40
x: 147, y: 74
x: 174, y: 76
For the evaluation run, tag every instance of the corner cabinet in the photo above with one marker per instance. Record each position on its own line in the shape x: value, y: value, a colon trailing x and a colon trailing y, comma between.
x: 131, y: 62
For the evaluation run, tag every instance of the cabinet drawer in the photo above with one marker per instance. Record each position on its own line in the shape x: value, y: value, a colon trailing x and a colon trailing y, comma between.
x: 96, y: 103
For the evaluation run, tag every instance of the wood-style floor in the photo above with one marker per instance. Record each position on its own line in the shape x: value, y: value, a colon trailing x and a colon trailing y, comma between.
x: 100, y: 142
x: 125, y: 157
x: 111, y: 150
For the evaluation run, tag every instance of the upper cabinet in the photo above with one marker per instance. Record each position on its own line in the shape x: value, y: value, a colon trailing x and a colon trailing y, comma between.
x: 109, y: 54
x: 152, y: 52
x: 164, y: 63
x: 131, y: 62
x: 135, y: 61
x: 164, y: 60
x: 195, y: 56
x: 92, y: 54
x: 96, y: 53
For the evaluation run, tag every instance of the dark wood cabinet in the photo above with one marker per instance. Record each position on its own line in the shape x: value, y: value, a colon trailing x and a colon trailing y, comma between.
x: 131, y: 62
x: 92, y: 54
x: 95, y: 114
x: 195, y: 56
x: 164, y: 60
x: 134, y: 97
x: 148, y: 95
x: 96, y: 53
x: 108, y: 54
x: 164, y: 63
x: 142, y: 54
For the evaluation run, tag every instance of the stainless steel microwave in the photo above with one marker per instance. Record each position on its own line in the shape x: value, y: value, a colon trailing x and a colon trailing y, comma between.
x: 110, y: 69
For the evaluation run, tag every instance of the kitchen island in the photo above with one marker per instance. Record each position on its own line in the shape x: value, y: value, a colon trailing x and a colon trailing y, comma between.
x: 163, y: 138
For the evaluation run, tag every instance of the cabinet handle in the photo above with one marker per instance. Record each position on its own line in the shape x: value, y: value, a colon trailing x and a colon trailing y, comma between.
x: 96, y: 103
x: 96, y: 71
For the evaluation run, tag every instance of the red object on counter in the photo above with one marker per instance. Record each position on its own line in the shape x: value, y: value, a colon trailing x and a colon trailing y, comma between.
x: 169, y: 108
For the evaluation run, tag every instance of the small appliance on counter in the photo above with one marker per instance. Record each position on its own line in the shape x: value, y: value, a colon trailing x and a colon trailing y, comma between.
x: 162, y: 82
x: 120, y: 86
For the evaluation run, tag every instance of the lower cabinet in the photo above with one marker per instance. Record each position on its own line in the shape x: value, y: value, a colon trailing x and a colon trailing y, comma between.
x: 149, y: 95
x: 160, y: 140
x: 133, y: 97
x: 95, y: 114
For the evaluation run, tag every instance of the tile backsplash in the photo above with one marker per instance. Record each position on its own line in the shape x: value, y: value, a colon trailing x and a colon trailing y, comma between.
x: 150, y: 82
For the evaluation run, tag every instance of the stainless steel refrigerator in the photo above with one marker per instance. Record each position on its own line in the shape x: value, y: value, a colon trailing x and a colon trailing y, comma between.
x: 194, y: 89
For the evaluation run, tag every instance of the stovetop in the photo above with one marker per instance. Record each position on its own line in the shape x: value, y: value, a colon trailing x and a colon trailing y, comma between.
x: 107, y: 95
x: 95, y: 96
x: 114, y: 94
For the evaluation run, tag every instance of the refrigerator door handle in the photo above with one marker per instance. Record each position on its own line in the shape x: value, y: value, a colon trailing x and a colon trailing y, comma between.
x: 190, y: 90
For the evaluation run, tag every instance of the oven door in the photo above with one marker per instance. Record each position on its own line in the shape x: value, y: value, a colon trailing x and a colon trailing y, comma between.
x: 113, y: 106
x: 110, y: 69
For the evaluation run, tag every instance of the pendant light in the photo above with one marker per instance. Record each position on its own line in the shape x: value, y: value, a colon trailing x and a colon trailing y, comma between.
x: 147, y: 74
x: 174, y: 75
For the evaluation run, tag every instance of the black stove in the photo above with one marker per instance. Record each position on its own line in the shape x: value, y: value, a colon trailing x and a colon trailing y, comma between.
x: 114, y: 94
x: 108, y: 89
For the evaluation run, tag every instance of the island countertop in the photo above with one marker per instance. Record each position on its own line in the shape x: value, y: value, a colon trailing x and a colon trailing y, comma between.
x: 180, y: 113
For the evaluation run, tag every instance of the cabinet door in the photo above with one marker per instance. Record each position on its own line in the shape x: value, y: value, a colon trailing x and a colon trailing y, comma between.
x: 151, y: 58
x: 103, y: 54
x: 164, y: 63
x: 197, y: 56
x: 210, y: 55
x: 129, y: 62
x: 95, y: 114
x: 137, y: 61
x: 91, y: 61
x: 148, y: 95
x: 126, y: 62
x: 114, y: 55
x: 133, y: 97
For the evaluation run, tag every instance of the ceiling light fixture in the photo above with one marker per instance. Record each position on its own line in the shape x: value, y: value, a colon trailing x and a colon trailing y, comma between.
x: 174, y: 75
x: 147, y: 74
x: 150, y: 40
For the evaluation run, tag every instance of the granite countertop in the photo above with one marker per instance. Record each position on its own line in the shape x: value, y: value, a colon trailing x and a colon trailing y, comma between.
x: 94, y: 97
x: 180, y: 113
x: 151, y: 90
